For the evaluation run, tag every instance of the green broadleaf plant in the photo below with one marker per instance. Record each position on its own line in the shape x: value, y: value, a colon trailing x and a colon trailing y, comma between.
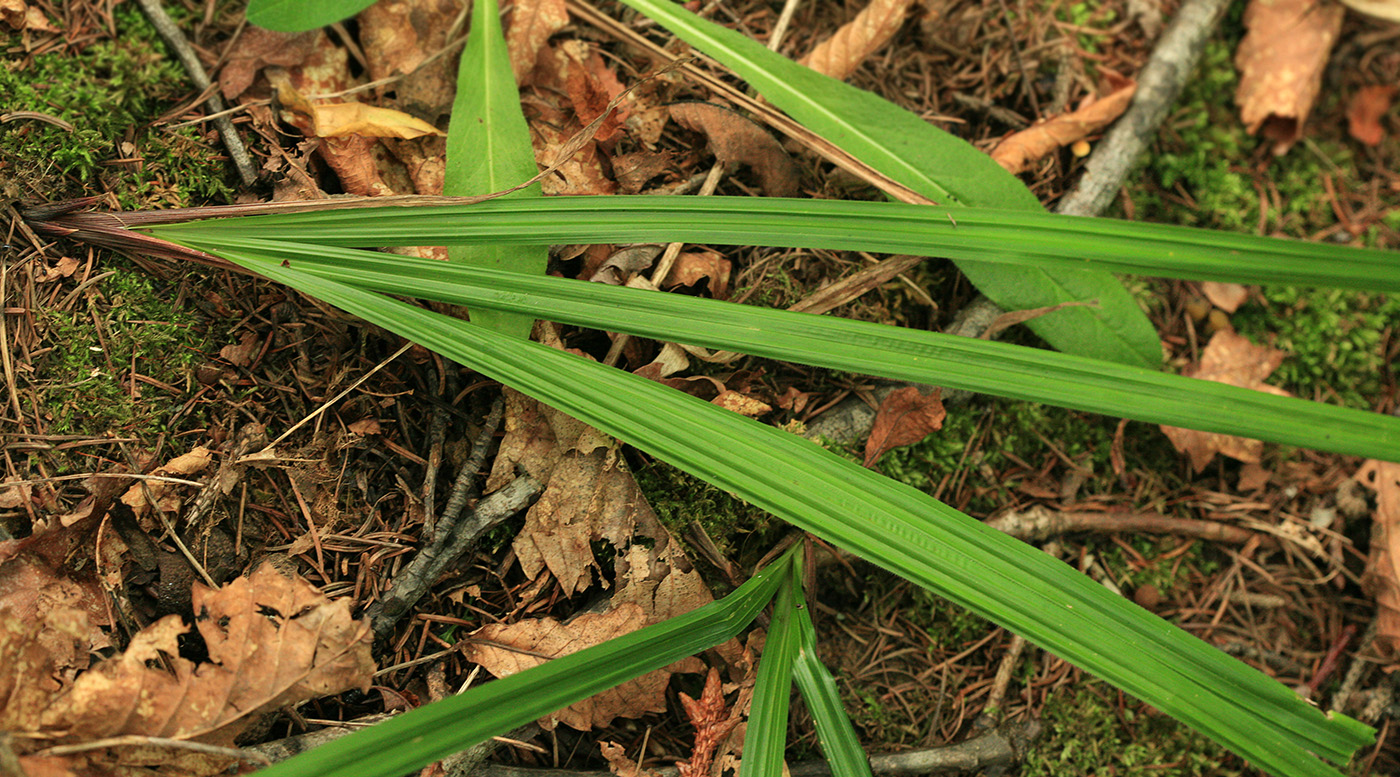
x: 300, y: 15
x: 488, y: 150
x: 890, y: 524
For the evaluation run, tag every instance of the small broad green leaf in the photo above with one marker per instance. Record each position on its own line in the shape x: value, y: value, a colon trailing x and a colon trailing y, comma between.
x: 412, y: 740
x: 895, y: 526
x: 301, y: 15
x: 939, y: 166
x: 488, y: 150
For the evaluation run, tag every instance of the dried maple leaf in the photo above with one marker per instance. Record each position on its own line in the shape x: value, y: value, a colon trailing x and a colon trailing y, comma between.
x: 840, y: 55
x: 532, y: 23
x: 904, y: 418
x: 735, y: 139
x: 1382, y: 577
x: 1233, y: 359
x: 505, y: 649
x: 1281, y: 60
x: 1365, y: 110
x: 1019, y: 151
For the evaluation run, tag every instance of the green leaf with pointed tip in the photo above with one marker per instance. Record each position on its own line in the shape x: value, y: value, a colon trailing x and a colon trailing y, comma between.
x: 301, y: 15
x: 488, y: 150
x: 839, y: 742
x: 895, y: 526
x: 766, y: 736
x: 941, y: 167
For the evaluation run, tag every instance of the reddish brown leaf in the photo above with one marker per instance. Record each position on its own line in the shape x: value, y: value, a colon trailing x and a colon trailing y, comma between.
x: 1382, y: 576
x: 1365, y: 110
x: 692, y: 267
x: 398, y: 37
x: 735, y: 139
x: 840, y: 55
x: 1019, y: 151
x: 1228, y: 358
x: 257, y: 48
x: 904, y: 418
x: 1281, y: 60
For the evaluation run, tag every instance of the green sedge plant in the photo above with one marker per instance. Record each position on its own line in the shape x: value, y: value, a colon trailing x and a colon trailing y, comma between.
x: 1000, y: 237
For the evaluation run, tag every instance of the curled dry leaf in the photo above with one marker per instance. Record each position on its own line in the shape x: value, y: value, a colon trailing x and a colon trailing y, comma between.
x: 21, y: 16
x: 904, y: 418
x: 1366, y: 108
x: 1226, y: 296
x: 532, y: 23
x: 692, y: 267
x: 1020, y: 150
x: 339, y: 120
x: 735, y: 139
x: 273, y: 641
x: 1281, y: 60
x: 1233, y: 359
x: 742, y: 404
x: 1382, y: 577
x: 840, y: 55
x: 165, y: 495
x: 505, y: 649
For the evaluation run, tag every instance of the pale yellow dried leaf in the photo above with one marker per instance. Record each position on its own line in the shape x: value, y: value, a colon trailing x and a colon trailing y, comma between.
x: 1226, y: 296
x: 840, y: 55
x: 339, y: 120
x: 1281, y: 61
x: 1388, y: 10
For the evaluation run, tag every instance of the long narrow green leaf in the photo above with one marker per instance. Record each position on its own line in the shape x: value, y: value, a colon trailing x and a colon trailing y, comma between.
x: 766, y: 735
x: 895, y: 526
x: 840, y: 745
x: 993, y: 235
x: 856, y: 346
x: 415, y: 739
x: 301, y: 15
x: 939, y: 166
x: 488, y: 150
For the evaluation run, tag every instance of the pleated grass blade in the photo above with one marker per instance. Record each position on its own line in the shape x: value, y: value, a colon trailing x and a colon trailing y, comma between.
x: 766, y: 736
x: 840, y: 745
x: 301, y: 15
x: 897, y: 527
x: 941, y: 167
x: 994, y: 235
x: 855, y: 346
x: 489, y: 150
x: 412, y: 740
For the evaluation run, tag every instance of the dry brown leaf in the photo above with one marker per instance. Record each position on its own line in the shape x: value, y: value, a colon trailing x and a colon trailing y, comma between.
x: 735, y: 139
x: 622, y: 765
x: 1226, y: 296
x: 241, y: 355
x: 1233, y: 359
x: 1365, y: 110
x: 528, y: 644
x: 1281, y: 60
x: 692, y: 267
x: 166, y: 495
x: 272, y: 641
x: 1382, y: 577
x: 18, y: 15
x: 398, y: 36
x: 1019, y: 151
x: 840, y: 55
x: 904, y: 418
x: 635, y: 170
x: 741, y: 404
x: 532, y: 23
x: 14, y: 492
x: 257, y: 48
x: 339, y: 120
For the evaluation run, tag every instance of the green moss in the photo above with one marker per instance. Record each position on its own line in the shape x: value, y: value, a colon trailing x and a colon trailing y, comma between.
x: 87, y: 387
x: 742, y: 532
x: 1332, y: 337
x: 1091, y: 729
x: 111, y: 92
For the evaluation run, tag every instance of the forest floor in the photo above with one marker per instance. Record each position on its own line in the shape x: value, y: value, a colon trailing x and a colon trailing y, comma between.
x: 127, y: 364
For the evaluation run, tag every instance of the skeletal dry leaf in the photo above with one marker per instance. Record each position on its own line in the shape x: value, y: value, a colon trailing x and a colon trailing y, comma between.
x: 1382, y: 577
x: 735, y: 139
x: 1022, y: 149
x: 532, y: 23
x: 1233, y: 359
x: 504, y: 649
x: 1281, y: 61
x: 840, y: 55
x: 1365, y: 109
x: 904, y: 418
